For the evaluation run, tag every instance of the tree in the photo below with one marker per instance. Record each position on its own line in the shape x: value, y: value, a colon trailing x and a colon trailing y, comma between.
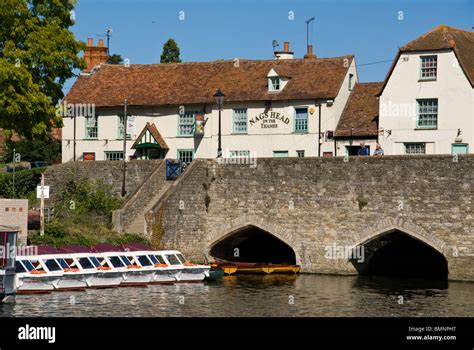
x: 115, y: 59
x: 170, y: 52
x: 38, y: 53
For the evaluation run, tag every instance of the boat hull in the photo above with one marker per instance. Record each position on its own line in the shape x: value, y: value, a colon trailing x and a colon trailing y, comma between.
x: 72, y: 282
x: 36, y: 284
x: 194, y: 274
x: 166, y: 276
x: 137, y: 277
x: 106, y: 280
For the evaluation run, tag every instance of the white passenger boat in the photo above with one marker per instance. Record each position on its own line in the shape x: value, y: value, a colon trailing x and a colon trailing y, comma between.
x: 81, y: 257
x: 189, y: 272
x: 71, y: 278
x: 133, y: 274
x: 34, y: 280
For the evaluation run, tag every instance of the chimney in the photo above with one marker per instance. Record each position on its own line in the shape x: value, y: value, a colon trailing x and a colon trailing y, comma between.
x: 310, y: 54
x: 286, y: 54
x: 94, y: 55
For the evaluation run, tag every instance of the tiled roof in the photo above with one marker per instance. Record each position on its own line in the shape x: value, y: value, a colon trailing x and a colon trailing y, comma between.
x: 195, y: 83
x: 359, y: 118
x: 444, y: 37
x: 155, y: 133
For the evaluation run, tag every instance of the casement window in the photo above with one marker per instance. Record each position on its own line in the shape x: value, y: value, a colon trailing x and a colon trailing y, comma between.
x: 415, y: 148
x: 114, y: 155
x: 186, y: 124
x: 427, y: 113
x: 240, y: 120
x: 186, y: 155
x: 301, y: 120
x: 429, y: 67
x: 351, y: 81
x: 280, y: 154
x: 239, y: 154
x: 300, y: 154
x: 92, y: 127
x: 274, y: 84
x: 121, y: 127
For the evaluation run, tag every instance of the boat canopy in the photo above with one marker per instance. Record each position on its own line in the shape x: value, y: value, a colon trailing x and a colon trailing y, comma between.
x: 135, y: 247
x: 73, y: 249
x: 47, y: 250
x: 105, y: 248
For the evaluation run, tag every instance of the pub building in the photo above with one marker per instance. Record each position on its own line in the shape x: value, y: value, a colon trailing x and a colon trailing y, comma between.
x: 271, y: 108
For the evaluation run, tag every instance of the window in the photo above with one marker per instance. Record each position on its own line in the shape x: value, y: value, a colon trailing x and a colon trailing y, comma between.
x: 173, y: 259
x: 429, y: 67
x: 239, y: 154
x: 427, y: 114
x: 121, y: 127
x: 116, y: 262
x: 114, y: 155
x: 63, y: 263
x: 92, y: 127
x: 86, y: 263
x: 144, y: 260
x: 186, y: 124
x: 28, y: 265
x: 182, y: 258
x: 160, y: 259
x: 415, y: 148
x: 274, y: 84
x: 95, y: 261
x: 280, y: 154
x: 186, y: 155
x: 52, y: 265
x: 19, y: 267
x: 240, y: 120
x: 459, y: 148
x: 126, y: 261
x: 153, y: 259
x: 351, y: 81
x: 301, y: 120
x: 300, y: 154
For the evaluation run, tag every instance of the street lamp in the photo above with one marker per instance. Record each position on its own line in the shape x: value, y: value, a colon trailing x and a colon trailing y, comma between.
x: 219, y: 96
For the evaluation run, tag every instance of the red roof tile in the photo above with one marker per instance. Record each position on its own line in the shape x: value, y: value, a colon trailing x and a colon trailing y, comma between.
x: 359, y: 117
x: 196, y: 82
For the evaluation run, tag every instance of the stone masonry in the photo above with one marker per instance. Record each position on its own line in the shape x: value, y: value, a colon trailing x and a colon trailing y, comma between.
x: 312, y: 203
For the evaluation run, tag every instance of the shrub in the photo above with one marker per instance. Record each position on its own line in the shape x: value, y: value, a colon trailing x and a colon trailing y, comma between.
x: 25, y: 182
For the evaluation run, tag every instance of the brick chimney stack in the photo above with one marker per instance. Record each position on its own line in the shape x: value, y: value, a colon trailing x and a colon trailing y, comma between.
x: 286, y: 53
x: 310, y: 54
x: 94, y: 55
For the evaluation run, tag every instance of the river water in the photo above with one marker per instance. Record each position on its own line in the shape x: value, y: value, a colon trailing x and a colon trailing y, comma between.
x: 273, y: 295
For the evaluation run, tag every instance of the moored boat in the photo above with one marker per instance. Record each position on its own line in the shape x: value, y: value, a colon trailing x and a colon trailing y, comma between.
x: 190, y: 272
x: 82, y: 258
x: 231, y: 267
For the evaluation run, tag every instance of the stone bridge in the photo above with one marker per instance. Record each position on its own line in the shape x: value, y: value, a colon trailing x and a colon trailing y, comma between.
x: 401, y: 210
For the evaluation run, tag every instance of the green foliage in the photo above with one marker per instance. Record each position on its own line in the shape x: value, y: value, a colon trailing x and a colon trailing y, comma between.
x: 170, y: 52
x: 48, y: 150
x: 115, y: 59
x: 25, y: 182
x: 86, y: 198
x: 38, y: 53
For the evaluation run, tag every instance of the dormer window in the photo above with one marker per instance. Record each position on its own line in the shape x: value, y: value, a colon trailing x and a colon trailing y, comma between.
x: 274, y: 84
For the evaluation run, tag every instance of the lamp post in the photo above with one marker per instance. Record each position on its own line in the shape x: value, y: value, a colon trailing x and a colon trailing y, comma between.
x: 219, y: 96
x: 124, y: 169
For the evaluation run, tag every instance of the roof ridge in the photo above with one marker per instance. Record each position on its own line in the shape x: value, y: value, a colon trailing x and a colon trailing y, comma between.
x: 231, y: 61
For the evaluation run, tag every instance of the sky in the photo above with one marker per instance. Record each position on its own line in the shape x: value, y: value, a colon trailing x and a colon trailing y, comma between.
x: 208, y: 30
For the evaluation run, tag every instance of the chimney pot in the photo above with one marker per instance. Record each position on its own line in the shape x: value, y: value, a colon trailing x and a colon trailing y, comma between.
x: 286, y: 46
x: 94, y: 55
x: 310, y: 49
x: 89, y: 41
x: 101, y: 42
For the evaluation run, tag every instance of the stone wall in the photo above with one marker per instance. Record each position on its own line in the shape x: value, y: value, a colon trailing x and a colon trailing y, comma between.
x: 110, y: 172
x: 312, y: 203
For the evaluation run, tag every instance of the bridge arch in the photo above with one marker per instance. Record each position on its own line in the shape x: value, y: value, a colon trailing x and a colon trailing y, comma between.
x: 401, y: 248
x: 252, y: 233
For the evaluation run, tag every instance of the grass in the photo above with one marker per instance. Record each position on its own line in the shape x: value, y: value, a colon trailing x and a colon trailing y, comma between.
x: 81, y: 231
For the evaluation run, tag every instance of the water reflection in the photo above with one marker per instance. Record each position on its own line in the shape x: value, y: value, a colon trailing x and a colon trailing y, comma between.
x: 273, y: 295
